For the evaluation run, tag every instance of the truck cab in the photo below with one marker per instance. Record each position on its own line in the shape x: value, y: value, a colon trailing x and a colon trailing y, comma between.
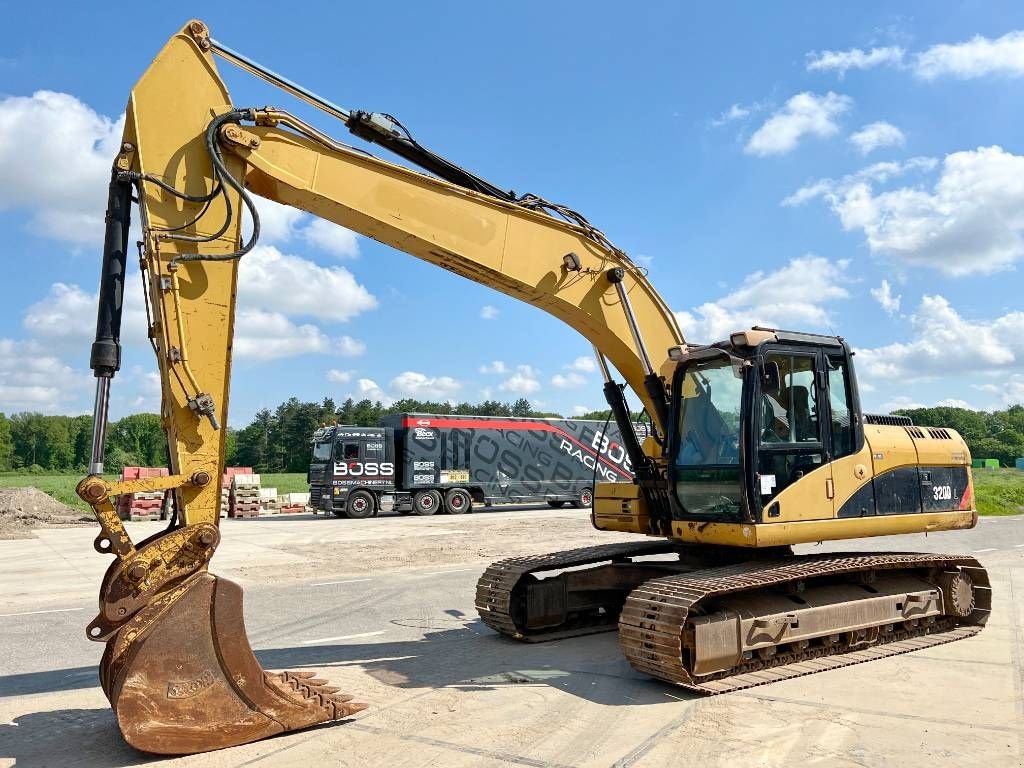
x: 347, y: 460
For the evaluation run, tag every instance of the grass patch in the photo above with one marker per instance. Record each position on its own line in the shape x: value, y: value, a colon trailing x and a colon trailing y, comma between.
x: 291, y: 482
x: 999, y: 491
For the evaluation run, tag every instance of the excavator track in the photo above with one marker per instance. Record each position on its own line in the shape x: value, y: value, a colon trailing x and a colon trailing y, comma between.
x: 664, y: 619
x: 498, y: 591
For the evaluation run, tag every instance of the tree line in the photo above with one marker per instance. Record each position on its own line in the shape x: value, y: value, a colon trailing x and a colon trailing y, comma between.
x: 275, y: 441
x: 279, y: 440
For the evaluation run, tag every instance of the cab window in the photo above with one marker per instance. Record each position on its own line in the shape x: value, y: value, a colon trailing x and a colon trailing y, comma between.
x: 791, y: 414
x: 321, y: 451
x: 707, y: 459
x: 789, y: 430
x: 839, y: 400
x: 350, y: 451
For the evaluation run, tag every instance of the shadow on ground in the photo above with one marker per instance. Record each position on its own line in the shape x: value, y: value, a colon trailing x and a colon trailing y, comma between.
x: 453, y: 653
x: 67, y: 737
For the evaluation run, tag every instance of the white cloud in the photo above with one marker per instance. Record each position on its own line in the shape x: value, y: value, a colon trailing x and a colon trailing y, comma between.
x: 67, y: 314
x: 855, y: 58
x: 339, y: 377
x: 487, y: 312
x: 523, y: 382
x: 271, y: 280
x: 579, y: 410
x: 805, y: 114
x: 571, y: 380
x: 495, y: 367
x: 945, y: 342
x: 420, y: 386
x: 971, y: 221
x: 954, y: 402
x: 976, y: 57
x: 883, y: 295
x: 55, y: 157
x: 278, y: 222
x: 877, y: 172
x: 901, y: 402
x: 583, y: 364
x: 736, y: 112
x: 332, y: 238
x: 370, y: 390
x: 31, y: 379
x: 147, y: 393
x: 1009, y: 390
x: 64, y: 312
x: 349, y: 347
x: 261, y: 335
x: 876, y: 135
x: 792, y: 297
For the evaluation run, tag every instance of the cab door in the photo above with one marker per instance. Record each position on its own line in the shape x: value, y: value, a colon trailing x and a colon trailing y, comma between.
x: 794, y: 474
x: 853, y: 491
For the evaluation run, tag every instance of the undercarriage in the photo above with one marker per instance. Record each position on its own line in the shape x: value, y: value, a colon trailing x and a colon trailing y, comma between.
x: 718, y: 620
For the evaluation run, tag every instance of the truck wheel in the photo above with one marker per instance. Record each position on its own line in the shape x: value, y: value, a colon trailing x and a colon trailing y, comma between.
x: 426, y: 502
x: 360, y: 505
x: 584, y: 499
x: 458, y: 502
x: 555, y: 504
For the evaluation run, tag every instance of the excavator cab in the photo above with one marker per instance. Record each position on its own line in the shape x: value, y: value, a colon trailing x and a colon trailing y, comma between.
x: 753, y: 416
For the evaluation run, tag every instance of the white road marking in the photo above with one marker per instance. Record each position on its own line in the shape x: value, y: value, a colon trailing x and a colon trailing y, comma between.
x: 1018, y: 546
x: 329, y: 583
x: 33, y: 613
x: 979, y: 551
x: 342, y: 637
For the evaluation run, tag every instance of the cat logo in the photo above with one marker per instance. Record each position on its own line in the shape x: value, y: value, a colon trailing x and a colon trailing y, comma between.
x: 423, y: 423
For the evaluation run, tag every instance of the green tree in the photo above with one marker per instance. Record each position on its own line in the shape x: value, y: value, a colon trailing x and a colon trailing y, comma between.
x: 521, y: 407
x: 6, y: 445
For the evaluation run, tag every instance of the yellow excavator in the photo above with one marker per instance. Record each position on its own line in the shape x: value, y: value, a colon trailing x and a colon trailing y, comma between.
x: 758, y: 442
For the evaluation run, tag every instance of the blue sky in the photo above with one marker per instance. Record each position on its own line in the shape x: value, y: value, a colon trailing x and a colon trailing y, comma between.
x: 842, y: 168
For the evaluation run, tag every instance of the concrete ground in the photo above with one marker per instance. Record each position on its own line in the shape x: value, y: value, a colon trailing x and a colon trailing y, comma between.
x: 384, y: 609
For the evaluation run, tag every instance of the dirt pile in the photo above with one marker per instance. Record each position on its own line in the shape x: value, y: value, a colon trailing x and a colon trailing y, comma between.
x: 22, y: 509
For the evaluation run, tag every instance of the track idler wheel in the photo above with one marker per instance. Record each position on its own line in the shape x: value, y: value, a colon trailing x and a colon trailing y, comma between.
x: 182, y: 678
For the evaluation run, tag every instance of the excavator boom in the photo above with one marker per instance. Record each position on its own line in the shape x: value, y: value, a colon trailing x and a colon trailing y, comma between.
x: 192, y: 159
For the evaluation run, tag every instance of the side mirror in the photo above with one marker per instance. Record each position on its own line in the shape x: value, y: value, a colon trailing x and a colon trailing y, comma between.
x: 771, y: 379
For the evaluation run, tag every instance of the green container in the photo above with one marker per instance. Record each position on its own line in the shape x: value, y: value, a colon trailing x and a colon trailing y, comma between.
x: 991, y: 463
x: 977, y: 463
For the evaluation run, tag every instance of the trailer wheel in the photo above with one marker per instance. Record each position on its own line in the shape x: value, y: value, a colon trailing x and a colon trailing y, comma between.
x: 458, y: 502
x: 584, y: 499
x: 426, y: 502
x: 359, y: 506
x: 555, y: 504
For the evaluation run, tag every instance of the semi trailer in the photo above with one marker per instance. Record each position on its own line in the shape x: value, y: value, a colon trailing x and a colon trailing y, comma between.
x: 422, y: 463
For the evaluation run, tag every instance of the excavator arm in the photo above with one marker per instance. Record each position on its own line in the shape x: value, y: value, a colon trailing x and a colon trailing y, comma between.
x: 177, y: 668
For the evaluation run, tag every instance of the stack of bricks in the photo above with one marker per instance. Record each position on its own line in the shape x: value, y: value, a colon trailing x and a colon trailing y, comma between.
x: 292, y: 503
x: 225, y: 486
x: 245, y: 496
x: 268, y: 501
x: 143, y: 505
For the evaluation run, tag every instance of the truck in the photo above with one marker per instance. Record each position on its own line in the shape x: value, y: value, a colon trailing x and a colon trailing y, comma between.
x: 423, y: 463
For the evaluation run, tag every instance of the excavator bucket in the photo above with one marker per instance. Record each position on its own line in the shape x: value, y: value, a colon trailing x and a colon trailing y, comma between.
x: 181, y: 677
